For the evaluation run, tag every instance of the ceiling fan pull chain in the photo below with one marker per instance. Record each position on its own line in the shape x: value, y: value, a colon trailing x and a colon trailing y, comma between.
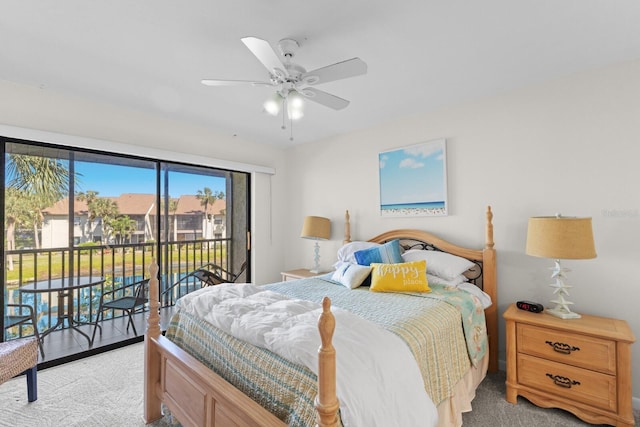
x: 291, y: 129
x: 283, y: 105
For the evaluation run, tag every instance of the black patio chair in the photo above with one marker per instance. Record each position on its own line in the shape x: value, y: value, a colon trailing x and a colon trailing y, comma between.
x: 20, y: 318
x: 220, y: 275
x: 127, y: 303
x: 208, y: 275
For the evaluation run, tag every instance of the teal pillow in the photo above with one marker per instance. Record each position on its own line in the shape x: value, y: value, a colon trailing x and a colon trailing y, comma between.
x: 389, y: 253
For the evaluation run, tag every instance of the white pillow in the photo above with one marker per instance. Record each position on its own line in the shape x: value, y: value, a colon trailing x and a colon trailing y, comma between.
x: 439, y: 280
x: 345, y: 253
x: 351, y: 275
x: 484, y: 298
x: 439, y: 263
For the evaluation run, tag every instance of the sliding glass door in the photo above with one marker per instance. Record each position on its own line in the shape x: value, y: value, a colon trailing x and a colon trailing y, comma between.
x: 78, y: 213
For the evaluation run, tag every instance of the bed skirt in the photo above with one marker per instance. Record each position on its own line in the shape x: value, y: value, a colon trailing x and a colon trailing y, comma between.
x: 450, y: 410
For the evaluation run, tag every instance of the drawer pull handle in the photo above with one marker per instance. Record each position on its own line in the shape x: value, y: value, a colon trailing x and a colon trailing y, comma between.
x: 561, y: 347
x: 563, y: 381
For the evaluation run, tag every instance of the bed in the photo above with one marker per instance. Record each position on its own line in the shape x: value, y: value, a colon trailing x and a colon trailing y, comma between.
x: 182, y: 382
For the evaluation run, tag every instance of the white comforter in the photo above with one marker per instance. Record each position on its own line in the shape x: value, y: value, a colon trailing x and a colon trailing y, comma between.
x: 378, y: 380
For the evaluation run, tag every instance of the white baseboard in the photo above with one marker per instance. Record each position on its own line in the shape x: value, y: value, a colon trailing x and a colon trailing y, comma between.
x: 502, y: 365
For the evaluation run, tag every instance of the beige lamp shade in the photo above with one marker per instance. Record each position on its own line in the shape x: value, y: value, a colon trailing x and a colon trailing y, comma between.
x: 316, y: 228
x: 560, y: 237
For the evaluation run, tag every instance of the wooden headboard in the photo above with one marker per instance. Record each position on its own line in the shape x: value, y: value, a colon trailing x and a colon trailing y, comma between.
x: 482, y: 275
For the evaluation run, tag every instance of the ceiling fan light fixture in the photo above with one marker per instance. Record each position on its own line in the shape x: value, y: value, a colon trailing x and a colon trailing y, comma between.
x: 295, y: 105
x: 272, y: 104
x: 292, y: 81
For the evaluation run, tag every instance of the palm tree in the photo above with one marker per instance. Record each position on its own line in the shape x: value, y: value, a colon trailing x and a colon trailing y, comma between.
x: 123, y: 226
x: 172, y: 220
x: 38, y: 203
x: 107, y: 210
x: 38, y: 175
x: 90, y: 197
x: 103, y: 208
x: 208, y: 197
x: 173, y: 208
x: 17, y: 212
x: 38, y: 182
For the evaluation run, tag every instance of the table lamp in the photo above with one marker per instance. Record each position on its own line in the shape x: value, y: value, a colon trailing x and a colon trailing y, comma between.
x: 316, y: 228
x: 560, y: 237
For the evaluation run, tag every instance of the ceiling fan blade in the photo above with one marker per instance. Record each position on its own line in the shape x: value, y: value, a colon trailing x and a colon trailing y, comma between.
x: 213, y: 82
x: 265, y: 54
x: 340, y: 70
x: 324, y: 98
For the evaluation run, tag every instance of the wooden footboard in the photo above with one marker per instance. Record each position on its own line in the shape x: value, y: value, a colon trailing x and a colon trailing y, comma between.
x: 199, y: 397
x: 195, y: 395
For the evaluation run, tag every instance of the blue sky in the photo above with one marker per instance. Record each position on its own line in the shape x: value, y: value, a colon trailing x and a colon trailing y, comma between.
x: 414, y: 174
x: 114, y: 180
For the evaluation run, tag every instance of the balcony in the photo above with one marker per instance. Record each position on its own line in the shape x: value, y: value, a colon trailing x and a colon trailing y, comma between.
x: 65, y: 345
x: 104, y: 268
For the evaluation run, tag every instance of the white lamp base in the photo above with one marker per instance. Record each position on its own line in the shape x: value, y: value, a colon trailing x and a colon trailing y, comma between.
x: 563, y: 314
x: 561, y: 289
x: 316, y: 259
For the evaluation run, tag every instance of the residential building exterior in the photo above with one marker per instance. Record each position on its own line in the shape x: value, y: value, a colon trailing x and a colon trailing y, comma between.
x: 188, y: 222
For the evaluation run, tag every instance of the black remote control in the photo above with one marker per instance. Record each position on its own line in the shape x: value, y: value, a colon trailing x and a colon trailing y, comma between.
x: 533, y: 307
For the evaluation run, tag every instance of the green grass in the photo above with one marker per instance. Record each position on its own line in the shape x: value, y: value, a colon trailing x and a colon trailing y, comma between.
x: 106, y: 261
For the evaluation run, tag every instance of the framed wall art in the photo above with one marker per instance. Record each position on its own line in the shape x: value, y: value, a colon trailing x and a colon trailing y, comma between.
x: 413, y: 180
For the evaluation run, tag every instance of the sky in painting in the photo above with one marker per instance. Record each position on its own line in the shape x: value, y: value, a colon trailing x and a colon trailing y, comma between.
x: 414, y: 174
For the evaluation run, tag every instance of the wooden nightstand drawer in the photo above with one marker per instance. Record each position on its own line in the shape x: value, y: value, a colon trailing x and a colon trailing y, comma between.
x: 569, y: 382
x: 566, y: 347
x: 580, y: 365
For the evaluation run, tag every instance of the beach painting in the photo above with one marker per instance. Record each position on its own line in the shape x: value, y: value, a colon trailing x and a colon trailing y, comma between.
x: 413, y: 180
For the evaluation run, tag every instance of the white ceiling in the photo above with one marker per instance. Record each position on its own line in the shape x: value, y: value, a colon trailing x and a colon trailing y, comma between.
x: 150, y: 55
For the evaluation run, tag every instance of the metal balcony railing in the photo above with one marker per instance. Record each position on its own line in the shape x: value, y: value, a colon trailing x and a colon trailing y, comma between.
x: 119, y: 265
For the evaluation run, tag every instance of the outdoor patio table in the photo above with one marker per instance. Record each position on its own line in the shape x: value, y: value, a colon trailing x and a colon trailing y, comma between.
x: 64, y: 287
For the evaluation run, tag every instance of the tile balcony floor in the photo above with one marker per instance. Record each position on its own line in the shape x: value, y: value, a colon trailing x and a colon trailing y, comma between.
x: 65, y: 345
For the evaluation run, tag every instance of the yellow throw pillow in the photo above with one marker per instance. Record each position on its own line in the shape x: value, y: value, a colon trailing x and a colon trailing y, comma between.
x: 402, y: 277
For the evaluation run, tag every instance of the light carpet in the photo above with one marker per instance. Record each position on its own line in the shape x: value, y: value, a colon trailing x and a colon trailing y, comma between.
x: 107, y: 390
x: 101, y: 390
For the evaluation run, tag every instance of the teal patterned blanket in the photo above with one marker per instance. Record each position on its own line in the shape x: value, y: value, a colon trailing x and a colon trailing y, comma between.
x: 442, y: 329
x: 393, y: 308
x: 473, y: 320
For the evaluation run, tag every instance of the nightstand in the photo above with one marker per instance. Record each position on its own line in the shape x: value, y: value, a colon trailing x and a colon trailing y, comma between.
x: 580, y: 365
x: 300, y: 273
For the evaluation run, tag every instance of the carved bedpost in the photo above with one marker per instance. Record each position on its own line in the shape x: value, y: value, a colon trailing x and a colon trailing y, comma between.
x: 327, y: 404
x: 490, y: 286
x: 347, y: 229
x: 153, y: 322
x: 489, y: 239
x: 152, y: 404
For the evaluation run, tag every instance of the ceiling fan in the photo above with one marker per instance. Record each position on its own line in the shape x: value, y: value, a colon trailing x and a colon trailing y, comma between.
x: 293, y: 82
